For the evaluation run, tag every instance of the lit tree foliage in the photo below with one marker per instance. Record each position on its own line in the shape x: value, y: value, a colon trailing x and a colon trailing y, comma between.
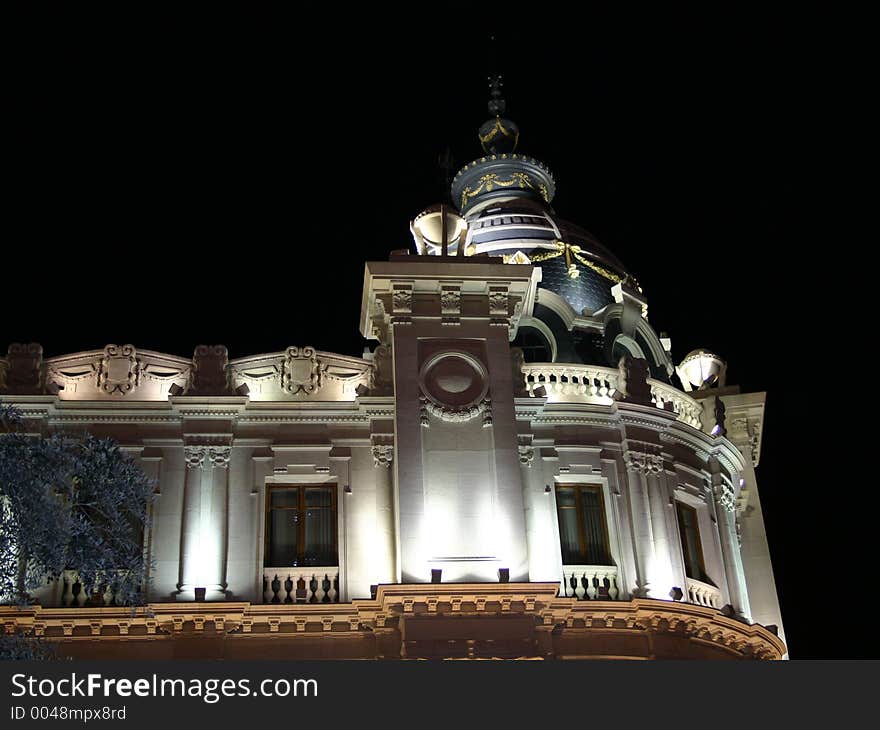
x: 69, y: 502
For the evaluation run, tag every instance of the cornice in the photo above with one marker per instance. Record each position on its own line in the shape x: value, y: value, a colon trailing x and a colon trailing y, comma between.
x: 164, y: 621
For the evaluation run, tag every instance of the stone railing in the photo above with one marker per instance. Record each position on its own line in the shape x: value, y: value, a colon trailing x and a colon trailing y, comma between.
x: 301, y: 585
x: 590, y: 582
x: 572, y: 383
x: 685, y: 408
x: 73, y: 593
x: 703, y: 594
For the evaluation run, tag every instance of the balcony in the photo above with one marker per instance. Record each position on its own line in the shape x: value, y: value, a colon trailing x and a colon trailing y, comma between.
x: 703, y: 594
x: 590, y: 582
x: 575, y: 383
x: 301, y: 585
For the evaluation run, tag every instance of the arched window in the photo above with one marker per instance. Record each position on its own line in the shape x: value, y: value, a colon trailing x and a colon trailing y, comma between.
x: 534, y: 345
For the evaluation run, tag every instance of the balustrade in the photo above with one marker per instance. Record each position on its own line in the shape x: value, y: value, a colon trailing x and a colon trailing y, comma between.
x: 685, y: 408
x: 301, y: 585
x: 590, y: 582
x: 73, y: 593
x: 574, y: 383
x: 703, y: 594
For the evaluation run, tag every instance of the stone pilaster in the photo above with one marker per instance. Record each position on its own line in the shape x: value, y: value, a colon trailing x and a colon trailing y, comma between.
x: 205, y: 522
x: 725, y: 503
x: 383, y: 458
x: 639, y: 466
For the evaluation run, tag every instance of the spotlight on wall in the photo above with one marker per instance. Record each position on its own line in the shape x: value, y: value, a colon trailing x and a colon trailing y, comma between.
x: 243, y: 390
x: 676, y: 593
x: 347, y: 490
x: 716, y: 429
x: 200, y: 594
x: 435, y: 574
x: 539, y: 392
x: 742, y: 482
x: 547, y: 490
x: 175, y: 389
x: 504, y: 575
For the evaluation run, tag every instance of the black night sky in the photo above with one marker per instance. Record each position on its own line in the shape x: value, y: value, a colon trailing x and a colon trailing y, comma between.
x: 174, y: 185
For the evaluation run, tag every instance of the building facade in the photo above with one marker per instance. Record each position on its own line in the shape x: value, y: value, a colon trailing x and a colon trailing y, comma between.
x: 515, y: 468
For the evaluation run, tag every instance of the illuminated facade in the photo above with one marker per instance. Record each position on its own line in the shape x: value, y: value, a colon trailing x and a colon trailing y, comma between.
x: 515, y: 469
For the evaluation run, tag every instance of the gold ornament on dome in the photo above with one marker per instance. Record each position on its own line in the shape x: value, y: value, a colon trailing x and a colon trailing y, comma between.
x: 499, y: 128
x: 492, y: 180
x: 515, y: 258
x: 571, y: 251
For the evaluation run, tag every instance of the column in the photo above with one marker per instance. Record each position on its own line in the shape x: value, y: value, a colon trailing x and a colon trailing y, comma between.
x: 725, y: 502
x: 384, y: 569
x: 643, y: 534
x: 205, y: 523
x: 663, y: 578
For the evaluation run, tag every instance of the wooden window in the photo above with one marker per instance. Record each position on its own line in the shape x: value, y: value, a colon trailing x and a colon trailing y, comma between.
x: 583, y: 532
x: 300, y: 526
x: 691, y: 547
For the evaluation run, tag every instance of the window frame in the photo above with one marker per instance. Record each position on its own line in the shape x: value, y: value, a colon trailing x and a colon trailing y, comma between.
x: 582, y: 533
x: 301, y: 532
x: 701, y: 563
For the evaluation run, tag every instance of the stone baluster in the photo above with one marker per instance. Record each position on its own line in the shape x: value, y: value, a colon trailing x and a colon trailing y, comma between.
x: 592, y: 587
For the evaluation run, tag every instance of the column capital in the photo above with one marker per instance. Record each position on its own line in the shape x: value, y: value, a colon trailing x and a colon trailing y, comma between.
x: 724, y: 497
x: 643, y: 462
x: 383, y: 454
x: 198, y: 456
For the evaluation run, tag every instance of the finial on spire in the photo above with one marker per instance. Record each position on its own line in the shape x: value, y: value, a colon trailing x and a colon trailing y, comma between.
x: 498, y: 135
x: 497, y: 105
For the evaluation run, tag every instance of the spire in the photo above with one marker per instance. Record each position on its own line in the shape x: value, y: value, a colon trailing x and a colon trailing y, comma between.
x: 497, y: 105
x: 498, y: 135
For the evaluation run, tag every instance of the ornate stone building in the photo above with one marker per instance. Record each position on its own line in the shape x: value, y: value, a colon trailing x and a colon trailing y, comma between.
x: 517, y: 468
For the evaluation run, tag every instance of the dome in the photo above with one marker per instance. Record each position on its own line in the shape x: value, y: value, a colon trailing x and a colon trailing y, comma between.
x: 574, y: 264
x: 505, y: 198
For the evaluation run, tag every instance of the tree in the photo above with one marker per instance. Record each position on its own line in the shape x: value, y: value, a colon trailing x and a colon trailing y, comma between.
x: 70, y: 502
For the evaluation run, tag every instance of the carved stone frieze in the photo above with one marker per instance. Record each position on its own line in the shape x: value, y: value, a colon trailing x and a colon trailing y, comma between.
x: 201, y: 456
x: 210, y: 370
x: 450, y: 301
x: 643, y: 462
x: 383, y: 454
x: 23, y: 369
x: 725, y: 497
x: 119, y: 370
x: 517, y: 360
x: 455, y: 387
x: 302, y: 372
x: 498, y: 302
x: 633, y: 381
x: 194, y: 456
x: 401, y: 300
x: 382, y: 382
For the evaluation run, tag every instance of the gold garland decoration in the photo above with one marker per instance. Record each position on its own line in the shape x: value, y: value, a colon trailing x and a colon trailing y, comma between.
x: 499, y: 127
x: 576, y: 251
x: 491, y: 180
